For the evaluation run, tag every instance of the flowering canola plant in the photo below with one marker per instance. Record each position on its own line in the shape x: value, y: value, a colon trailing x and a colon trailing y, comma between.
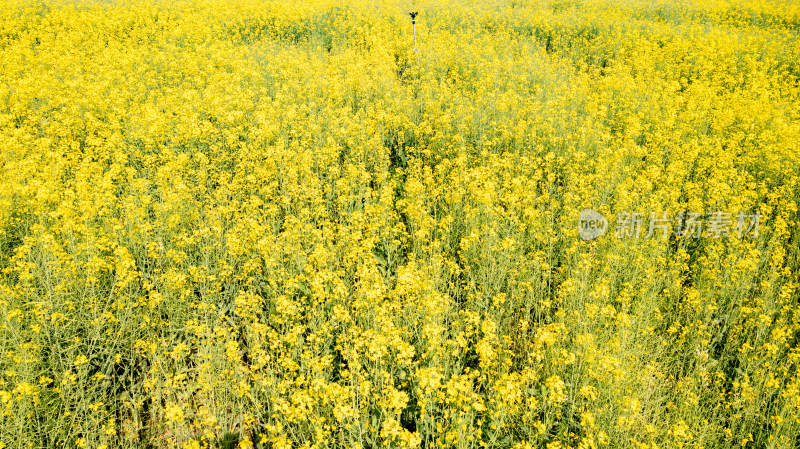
x: 275, y: 224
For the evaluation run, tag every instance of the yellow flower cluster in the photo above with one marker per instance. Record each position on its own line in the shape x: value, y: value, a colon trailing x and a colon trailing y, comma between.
x: 275, y: 224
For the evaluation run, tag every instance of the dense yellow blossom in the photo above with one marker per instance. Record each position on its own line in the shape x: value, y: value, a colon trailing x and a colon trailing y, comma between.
x: 275, y: 224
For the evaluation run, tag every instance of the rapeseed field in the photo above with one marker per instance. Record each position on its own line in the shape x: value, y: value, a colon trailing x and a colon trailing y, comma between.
x: 262, y: 224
